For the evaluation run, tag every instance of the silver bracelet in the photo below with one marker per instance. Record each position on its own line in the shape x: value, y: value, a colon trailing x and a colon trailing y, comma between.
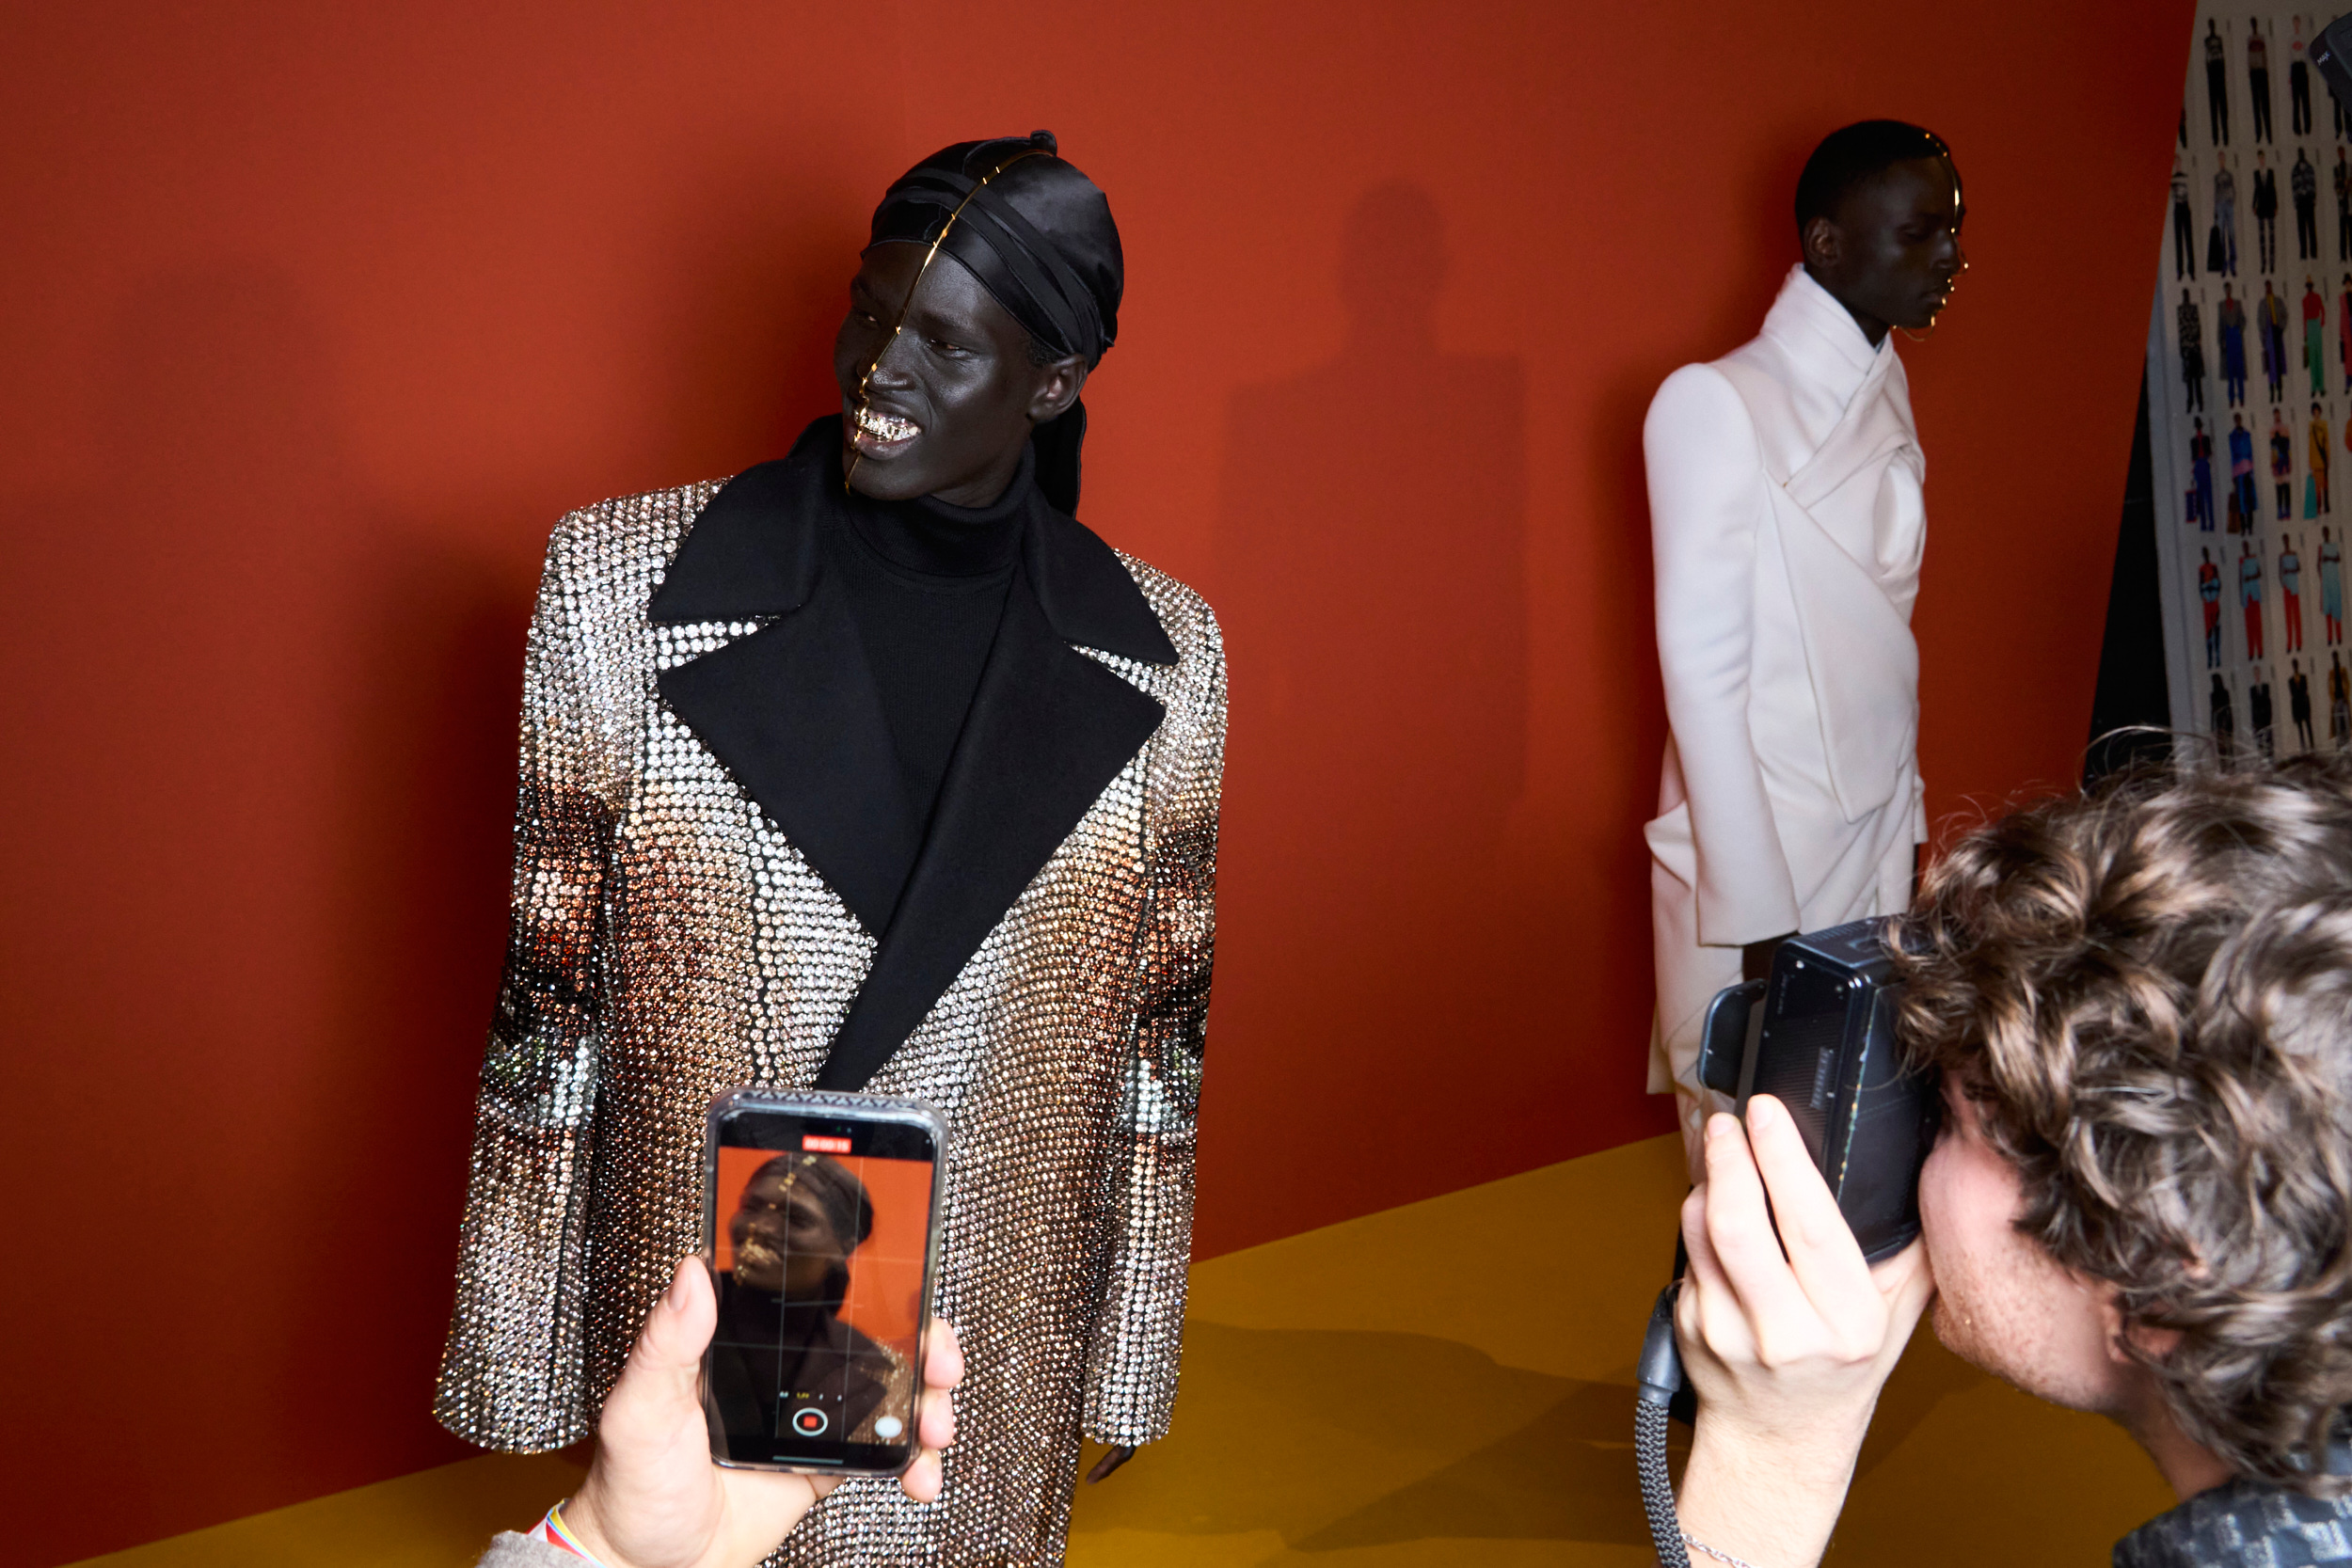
x: 1720, y: 1556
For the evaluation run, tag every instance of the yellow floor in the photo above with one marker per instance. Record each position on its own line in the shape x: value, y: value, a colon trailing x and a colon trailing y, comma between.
x: 1449, y: 1383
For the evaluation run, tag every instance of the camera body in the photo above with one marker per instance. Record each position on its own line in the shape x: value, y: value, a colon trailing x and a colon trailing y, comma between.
x: 1818, y: 1036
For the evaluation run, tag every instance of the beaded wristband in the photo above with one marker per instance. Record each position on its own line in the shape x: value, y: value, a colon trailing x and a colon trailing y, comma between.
x: 552, y: 1531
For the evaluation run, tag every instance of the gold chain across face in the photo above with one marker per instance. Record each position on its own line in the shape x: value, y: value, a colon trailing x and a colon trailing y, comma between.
x: 899, y: 324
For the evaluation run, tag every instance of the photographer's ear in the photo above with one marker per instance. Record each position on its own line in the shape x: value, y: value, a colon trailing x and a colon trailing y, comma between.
x: 2132, y: 1344
x: 2135, y: 1342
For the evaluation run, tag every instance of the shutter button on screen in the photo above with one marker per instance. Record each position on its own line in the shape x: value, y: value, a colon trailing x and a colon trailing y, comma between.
x: 809, y: 1422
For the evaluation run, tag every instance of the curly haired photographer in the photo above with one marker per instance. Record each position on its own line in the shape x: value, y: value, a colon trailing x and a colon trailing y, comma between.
x: 2140, y: 1205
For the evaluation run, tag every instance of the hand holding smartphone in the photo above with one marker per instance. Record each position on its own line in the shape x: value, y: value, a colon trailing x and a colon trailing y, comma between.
x: 822, y: 1214
x: 651, y: 1495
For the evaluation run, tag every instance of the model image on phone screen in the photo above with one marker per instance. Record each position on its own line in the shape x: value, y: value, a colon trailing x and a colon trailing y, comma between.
x: 820, y: 1213
x: 784, y: 1364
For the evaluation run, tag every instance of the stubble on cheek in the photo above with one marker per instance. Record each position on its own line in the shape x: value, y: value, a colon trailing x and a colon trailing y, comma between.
x: 1957, y: 1328
x: 2015, y: 1312
x: 2001, y: 1303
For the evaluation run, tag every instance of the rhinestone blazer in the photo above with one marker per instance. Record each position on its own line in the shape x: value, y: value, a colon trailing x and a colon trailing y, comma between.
x: 697, y: 721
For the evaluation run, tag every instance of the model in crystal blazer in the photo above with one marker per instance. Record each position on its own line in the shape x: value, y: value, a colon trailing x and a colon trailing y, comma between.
x: 723, y: 876
x: 1788, y: 524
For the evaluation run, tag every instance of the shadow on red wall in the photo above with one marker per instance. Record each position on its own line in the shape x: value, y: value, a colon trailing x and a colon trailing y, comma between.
x: 1371, y: 573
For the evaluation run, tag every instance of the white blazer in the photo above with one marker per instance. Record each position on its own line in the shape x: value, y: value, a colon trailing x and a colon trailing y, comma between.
x: 1788, y: 524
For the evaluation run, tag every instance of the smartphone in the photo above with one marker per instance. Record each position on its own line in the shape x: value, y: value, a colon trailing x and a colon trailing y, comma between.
x: 822, y: 1214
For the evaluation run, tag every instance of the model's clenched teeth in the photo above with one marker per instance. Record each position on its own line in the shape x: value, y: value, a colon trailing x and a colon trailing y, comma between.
x: 887, y: 427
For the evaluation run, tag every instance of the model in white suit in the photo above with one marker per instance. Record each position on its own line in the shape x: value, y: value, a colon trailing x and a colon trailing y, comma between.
x: 1788, y: 524
x: 1787, y: 520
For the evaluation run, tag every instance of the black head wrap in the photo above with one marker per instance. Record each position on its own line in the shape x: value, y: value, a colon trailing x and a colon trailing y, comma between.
x: 1040, y: 237
x: 837, y: 1192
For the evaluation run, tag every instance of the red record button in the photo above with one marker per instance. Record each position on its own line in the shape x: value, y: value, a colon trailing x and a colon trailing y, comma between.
x: 809, y: 1423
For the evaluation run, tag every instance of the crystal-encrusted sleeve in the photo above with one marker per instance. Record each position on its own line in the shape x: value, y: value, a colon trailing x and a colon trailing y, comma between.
x: 511, y: 1373
x: 1132, y: 1361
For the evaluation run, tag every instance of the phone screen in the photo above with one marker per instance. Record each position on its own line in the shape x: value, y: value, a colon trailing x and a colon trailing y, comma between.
x: 821, y: 1230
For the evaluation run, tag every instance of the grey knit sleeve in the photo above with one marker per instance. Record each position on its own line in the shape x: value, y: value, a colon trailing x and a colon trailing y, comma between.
x: 509, y: 1550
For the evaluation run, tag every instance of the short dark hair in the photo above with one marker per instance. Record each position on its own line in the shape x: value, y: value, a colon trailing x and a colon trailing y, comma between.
x: 2147, y: 990
x: 1851, y: 157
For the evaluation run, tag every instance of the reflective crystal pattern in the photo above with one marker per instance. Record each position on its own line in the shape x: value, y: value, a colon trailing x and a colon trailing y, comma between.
x: 669, y: 941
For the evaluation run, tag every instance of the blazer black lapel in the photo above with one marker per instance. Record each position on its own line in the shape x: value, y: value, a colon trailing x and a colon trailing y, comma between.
x: 1085, y: 592
x: 790, y: 709
x: 752, y: 551
x: 1049, y: 729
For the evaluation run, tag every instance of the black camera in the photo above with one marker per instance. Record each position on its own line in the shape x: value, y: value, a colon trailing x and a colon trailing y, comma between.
x: 1818, y: 1036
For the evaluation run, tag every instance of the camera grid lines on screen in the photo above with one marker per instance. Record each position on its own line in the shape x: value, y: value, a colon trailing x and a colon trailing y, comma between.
x: 821, y: 1262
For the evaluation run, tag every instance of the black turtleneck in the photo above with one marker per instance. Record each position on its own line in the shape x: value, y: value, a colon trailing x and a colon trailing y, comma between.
x: 926, y: 584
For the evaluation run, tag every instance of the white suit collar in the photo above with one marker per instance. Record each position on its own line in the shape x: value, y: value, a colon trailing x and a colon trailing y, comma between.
x: 1820, y: 336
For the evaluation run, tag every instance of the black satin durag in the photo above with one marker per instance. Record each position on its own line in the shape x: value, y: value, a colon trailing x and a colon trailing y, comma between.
x: 1040, y: 237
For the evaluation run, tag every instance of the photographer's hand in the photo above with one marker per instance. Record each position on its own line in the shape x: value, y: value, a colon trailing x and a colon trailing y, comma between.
x: 654, y: 1499
x: 1789, y: 1351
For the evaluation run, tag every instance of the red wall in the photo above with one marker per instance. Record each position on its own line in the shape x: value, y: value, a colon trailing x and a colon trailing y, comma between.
x: 316, y: 317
